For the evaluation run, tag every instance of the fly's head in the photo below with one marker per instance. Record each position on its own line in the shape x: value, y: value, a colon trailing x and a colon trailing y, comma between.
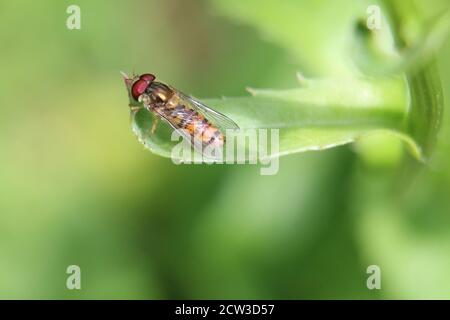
x: 140, y: 85
x: 136, y: 87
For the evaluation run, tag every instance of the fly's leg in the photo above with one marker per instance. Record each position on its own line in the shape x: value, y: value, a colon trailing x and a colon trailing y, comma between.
x: 151, y: 108
x: 134, y: 108
x: 154, y: 125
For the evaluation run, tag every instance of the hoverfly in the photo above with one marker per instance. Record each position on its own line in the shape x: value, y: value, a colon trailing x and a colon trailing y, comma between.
x: 192, y: 119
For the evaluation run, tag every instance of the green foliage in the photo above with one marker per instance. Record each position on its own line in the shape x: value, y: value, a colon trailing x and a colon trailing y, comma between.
x: 336, y: 109
x: 76, y: 188
x: 319, y: 115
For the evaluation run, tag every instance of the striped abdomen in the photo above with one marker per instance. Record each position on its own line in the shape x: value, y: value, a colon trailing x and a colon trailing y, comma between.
x: 194, y: 123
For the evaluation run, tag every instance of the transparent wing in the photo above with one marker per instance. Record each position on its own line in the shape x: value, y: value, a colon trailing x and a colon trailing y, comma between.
x: 184, y: 133
x: 217, y: 118
x: 194, y: 142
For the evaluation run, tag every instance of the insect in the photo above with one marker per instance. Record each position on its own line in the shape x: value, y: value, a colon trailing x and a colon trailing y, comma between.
x: 193, y: 120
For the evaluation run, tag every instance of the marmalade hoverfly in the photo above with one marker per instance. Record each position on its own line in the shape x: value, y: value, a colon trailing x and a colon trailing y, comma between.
x: 192, y: 119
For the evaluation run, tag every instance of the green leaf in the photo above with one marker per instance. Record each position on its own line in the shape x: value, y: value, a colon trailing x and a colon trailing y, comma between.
x: 426, y: 108
x: 319, y: 115
x: 342, y: 106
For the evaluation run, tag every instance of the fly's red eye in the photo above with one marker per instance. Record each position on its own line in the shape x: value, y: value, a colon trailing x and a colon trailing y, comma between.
x: 139, y: 88
x: 147, y: 77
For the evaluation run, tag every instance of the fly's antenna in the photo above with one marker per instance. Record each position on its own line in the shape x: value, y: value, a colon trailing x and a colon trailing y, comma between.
x: 124, y: 75
x: 128, y: 81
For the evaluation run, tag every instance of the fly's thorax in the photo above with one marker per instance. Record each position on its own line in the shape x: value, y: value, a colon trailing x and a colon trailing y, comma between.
x: 159, y: 92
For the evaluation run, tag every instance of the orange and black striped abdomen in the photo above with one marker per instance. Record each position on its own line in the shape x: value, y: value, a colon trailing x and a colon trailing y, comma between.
x: 194, y: 123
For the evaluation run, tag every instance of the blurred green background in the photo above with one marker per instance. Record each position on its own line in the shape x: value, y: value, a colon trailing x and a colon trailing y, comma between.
x: 77, y: 188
